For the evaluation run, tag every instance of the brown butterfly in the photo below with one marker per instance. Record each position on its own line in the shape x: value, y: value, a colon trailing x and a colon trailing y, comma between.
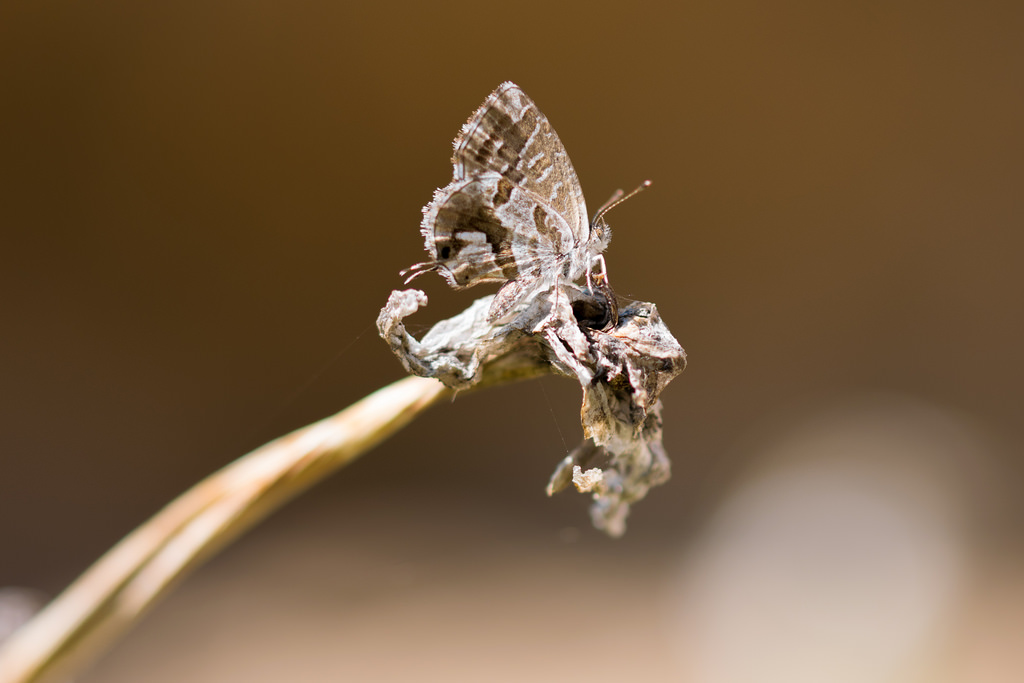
x: 514, y: 211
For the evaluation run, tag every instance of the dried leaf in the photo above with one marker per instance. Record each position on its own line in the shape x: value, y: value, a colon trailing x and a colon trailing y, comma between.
x: 622, y: 372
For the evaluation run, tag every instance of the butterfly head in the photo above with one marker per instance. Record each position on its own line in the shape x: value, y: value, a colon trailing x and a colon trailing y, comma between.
x: 600, y: 234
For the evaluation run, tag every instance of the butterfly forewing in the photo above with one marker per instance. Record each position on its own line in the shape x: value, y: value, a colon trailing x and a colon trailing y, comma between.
x: 509, y: 135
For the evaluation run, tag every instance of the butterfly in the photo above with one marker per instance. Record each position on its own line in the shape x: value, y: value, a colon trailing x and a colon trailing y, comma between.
x: 514, y: 211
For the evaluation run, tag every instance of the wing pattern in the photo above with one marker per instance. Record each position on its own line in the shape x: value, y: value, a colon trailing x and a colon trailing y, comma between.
x: 514, y: 211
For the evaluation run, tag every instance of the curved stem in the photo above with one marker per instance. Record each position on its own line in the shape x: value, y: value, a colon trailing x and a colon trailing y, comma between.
x: 112, y: 594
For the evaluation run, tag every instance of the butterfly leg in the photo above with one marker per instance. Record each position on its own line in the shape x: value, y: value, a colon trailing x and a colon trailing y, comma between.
x: 413, y: 272
x: 603, y: 286
x: 558, y: 290
x: 604, y: 269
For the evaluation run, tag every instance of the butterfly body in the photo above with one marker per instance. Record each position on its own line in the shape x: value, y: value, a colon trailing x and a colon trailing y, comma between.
x: 514, y: 211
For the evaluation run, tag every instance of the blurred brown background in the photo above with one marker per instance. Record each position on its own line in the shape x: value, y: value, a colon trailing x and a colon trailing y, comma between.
x: 205, y: 204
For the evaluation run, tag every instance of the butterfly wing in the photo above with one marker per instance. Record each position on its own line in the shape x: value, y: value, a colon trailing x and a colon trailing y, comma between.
x: 514, y: 211
x: 510, y: 136
x: 484, y: 229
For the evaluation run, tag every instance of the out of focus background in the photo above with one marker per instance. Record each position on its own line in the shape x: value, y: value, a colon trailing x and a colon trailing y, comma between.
x: 205, y: 204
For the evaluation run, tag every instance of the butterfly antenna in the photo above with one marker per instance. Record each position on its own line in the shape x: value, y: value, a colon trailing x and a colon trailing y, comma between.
x: 617, y: 199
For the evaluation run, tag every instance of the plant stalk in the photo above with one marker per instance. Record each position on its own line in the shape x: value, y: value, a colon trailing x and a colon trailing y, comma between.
x: 114, y: 593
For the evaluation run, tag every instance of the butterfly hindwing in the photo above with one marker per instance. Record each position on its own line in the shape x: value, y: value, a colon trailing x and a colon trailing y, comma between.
x: 486, y: 230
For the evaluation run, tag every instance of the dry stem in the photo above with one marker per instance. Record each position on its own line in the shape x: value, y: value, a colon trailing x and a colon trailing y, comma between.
x: 112, y: 594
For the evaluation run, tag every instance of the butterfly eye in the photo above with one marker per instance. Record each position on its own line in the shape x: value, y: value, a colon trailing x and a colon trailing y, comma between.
x: 445, y: 252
